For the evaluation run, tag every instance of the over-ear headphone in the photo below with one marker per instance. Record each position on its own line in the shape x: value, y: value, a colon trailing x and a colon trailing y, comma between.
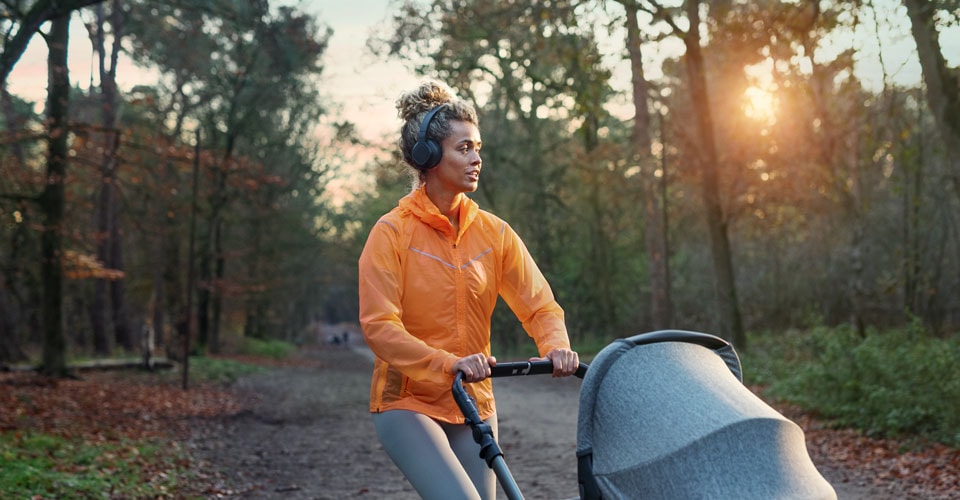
x: 426, y: 153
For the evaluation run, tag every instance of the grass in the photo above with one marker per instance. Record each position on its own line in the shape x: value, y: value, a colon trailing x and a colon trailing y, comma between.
x: 45, y: 465
x: 276, y: 349
x: 219, y: 370
x: 36, y: 465
x: 225, y: 371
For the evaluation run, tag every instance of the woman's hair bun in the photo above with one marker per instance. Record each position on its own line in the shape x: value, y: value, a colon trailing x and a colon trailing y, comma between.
x: 430, y: 94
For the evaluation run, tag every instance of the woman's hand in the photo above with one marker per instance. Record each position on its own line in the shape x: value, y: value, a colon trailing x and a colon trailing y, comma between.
x: 565, y: 361
x: 475, y: 367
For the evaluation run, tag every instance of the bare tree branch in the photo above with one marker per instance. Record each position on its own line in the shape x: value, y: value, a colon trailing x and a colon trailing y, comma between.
x: 39, y: 13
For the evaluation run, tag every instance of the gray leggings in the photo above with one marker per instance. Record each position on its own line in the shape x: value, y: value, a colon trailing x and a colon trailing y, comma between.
x: 441, y: 460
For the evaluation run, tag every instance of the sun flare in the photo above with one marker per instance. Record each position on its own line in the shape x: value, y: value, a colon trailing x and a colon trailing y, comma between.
x: 760, y: 105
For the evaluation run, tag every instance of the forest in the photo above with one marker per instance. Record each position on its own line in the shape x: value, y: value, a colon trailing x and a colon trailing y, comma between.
x: 746, y: 183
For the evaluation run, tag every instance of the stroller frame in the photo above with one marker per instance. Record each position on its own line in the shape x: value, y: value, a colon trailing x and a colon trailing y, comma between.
x: 483, y: 434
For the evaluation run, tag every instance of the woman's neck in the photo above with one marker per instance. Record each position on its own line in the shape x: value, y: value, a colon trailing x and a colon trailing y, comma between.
x: 447, y: 203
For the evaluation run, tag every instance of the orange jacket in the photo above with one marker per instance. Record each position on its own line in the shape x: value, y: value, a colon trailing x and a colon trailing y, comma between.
x: 426, y: 297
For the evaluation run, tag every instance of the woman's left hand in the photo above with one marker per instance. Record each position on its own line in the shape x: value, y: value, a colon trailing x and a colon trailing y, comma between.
x: 565, y: 361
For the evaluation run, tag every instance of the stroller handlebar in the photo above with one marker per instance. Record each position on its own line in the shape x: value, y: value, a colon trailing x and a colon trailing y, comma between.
x: 514, y: 368
x: 508, y: 369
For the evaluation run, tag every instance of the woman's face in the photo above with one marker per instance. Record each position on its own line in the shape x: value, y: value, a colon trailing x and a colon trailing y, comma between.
x: 459, y: 167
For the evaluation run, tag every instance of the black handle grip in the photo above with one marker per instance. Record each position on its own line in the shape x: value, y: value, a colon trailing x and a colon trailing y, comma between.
x: 515, y: 368
x: 508, y: 369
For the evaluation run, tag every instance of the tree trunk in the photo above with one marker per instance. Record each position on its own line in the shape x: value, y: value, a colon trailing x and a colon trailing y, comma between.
x: 118, y: 300
x: 204, y: 293
x: 98, y: 307
x: 10, y: 351
x: 942, y: 82
x: 171, y: 291
x: 912, y: 200
x: 253, y: 323
x: 52, y: 198
x: 654, y: 208
x: 731, y: 323
x: 599, y: 269
x: 109, y: 247
x: 219, y: 199
x: 217, y: 299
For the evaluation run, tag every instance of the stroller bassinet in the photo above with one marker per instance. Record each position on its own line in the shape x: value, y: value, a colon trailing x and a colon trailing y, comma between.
x: 664, y: 415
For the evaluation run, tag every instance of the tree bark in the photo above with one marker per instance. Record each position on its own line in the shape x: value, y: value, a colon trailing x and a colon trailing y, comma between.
x: 731, y: 322
x: 52, y: 198
x: 654, y: 207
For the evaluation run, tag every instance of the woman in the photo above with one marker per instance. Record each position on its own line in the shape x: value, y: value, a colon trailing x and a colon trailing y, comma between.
x: 430, y: 274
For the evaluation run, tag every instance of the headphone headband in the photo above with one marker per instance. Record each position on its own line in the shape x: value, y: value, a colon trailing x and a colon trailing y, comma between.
x: 425, y: 124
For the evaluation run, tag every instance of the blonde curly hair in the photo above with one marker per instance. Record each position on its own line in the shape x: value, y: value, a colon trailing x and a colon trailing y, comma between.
x: 413, y: 106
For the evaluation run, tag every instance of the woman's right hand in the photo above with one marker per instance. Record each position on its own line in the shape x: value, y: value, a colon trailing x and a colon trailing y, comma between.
x: 475, y: 367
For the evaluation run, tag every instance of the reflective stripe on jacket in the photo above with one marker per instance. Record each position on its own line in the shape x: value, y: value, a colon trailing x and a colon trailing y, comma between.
x: 427, y: 295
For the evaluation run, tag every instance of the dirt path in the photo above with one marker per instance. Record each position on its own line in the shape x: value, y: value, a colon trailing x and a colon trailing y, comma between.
x: 309, y: 436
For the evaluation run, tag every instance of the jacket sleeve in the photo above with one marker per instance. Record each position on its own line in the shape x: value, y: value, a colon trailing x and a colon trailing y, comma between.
x: 380, y: 290
x: 529, y: 296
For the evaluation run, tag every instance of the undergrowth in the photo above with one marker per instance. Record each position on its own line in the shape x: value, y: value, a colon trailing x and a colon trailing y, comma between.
x: 898, y: 383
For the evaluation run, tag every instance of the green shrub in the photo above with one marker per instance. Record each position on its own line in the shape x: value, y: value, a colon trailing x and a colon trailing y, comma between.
x: 898, y: 383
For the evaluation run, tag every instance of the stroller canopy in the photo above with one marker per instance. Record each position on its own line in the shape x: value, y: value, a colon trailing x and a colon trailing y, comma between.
x: 665, y: 415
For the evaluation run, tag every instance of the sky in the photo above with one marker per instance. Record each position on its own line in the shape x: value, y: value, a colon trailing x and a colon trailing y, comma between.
x: 361, y: 87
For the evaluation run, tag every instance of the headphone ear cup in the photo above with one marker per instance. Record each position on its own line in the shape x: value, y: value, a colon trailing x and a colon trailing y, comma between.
x: 426, y: 154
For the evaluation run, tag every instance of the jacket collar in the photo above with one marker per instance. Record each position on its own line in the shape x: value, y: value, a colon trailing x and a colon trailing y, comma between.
x: 418, y: 204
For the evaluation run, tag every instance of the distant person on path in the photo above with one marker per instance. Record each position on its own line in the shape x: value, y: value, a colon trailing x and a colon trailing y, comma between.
x: 430, y: 275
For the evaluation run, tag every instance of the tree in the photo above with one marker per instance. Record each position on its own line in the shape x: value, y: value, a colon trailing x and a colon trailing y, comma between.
x: 21, y: 26
x: 728, y: 307
x: 17, y: 117
x: 654, y: 206
x: 247, y: 81
x: 52, y: 201
x: 109, y: 243
x: 942, y: 82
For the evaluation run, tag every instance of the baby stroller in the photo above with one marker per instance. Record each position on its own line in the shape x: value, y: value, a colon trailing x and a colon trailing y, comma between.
x: 665, y: 415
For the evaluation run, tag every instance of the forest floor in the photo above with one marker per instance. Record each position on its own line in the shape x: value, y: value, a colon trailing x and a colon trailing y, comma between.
x: 301, y: 430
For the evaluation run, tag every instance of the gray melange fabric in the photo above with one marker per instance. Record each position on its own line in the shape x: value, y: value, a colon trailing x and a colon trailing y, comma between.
x: 669, y: 420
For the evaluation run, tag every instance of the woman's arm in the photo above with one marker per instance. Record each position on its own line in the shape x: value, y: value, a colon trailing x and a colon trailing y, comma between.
x: 380, y: 288
x: 529, y: 296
